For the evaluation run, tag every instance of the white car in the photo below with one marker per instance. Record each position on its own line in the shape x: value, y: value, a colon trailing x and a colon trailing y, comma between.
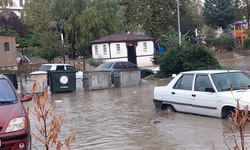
x: 205, y: 92
x: 58, y: 67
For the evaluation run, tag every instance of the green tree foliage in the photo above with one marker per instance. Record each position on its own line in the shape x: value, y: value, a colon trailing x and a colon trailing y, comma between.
x: 185, y: 58
x: 50, y: 46
x: 171, y: 39
x: 13, y: 22
x: 84, y: 21
x: 37, y: 15
x: 192, y: 18
x: 224, y: 42
x: 5, y: 3
x: 219, y: 13
x: 155, y: 16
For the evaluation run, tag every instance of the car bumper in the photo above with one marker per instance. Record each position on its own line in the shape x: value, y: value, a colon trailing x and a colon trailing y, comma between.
x: 158, y: 104
x: 12, y: 142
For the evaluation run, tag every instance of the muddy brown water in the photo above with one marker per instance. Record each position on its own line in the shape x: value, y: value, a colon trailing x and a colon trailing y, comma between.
x: 123, y: 119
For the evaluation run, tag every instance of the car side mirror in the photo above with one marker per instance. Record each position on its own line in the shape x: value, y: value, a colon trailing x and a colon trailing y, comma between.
x: 209, y: 90
x: 27, y: 98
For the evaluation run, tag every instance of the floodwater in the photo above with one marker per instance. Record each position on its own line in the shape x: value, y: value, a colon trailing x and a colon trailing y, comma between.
x: 123, y: 119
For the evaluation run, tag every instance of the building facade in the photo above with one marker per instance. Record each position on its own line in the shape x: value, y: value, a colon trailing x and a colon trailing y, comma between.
x: 15, y: 8
x: 137, y: 49
x: 8, y: 51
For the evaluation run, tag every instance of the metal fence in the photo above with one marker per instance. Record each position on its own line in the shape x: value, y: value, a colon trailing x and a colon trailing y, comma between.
x: 28, y: 68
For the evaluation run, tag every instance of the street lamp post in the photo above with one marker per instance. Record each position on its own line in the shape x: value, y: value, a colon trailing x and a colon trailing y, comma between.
x: 179, y: 26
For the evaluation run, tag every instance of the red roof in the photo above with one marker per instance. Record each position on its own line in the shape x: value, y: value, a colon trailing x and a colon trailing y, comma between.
x: 122, y: 38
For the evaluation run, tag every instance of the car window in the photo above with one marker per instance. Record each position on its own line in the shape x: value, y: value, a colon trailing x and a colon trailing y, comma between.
x: 60, y: 68
x: 118, y: 65
x: 185, y: 82
x: 6, y: 93
x: 105, y: 65
x: 70, y: 68
x: 222, y: 81
x: 44, y: 68
x: 202, y: 82
x: 129, y: 65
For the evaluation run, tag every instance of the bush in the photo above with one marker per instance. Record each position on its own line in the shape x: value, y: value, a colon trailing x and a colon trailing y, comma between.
x: 95, y: 63
x: 222, y: 43
x: 156, y: 58
x: 186, y: 58
x: 246, y: 43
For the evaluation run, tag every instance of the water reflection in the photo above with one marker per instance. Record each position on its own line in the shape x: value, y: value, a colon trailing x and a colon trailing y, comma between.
x: 121, y: 119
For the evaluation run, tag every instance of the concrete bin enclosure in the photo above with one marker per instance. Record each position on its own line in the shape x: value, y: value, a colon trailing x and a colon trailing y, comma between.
x: 96, y: 80
x: 128, y: 77
x: 28, y: 80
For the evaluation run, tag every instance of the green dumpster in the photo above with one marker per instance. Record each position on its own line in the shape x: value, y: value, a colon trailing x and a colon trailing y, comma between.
x: 62, y: 81
x: 12, y: 77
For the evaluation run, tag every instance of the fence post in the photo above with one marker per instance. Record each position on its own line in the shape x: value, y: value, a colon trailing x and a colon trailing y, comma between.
x: 84, y: 67
x: 18, y: 69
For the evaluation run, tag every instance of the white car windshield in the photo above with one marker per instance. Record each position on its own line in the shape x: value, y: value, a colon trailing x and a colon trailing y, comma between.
x: 44, y: 68
x: 223, y: 81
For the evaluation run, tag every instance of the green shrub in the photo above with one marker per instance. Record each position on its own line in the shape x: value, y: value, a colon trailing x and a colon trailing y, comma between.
x: 156, y: 58
x: 222, y: 43
x: 246, y: 43
x: 95, y: 63
x: 185, y: 58
x: 171, y: 39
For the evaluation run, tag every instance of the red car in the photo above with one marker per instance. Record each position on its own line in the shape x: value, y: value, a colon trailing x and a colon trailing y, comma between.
x: 14, y: 121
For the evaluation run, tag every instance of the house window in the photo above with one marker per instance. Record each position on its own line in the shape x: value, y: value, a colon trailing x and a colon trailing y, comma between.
x: 96, y: 50
x: 6, y: 47
x: 118, y: 49
x: 145, y: 49
x: 104, y: 50
x: 21, y: 3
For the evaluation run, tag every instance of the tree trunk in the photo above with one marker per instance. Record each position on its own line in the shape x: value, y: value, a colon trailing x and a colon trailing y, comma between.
x: 73, y: 50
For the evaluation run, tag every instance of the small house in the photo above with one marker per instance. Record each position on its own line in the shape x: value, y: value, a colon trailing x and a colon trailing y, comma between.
x: 8, y: 51
x: 138, y: 49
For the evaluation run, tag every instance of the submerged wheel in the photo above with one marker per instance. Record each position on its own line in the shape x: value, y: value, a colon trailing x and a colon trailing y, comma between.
x: 229, y: 116
x: 169, y: 108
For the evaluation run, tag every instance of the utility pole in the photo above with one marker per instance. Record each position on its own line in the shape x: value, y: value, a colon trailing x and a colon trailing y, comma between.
x: 179, y: 26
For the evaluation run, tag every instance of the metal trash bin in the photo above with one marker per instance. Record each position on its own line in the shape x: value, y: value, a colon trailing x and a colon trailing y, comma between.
x: 12, y: 77
x: 96, y: 80
x: 127, y: 77
x: 62, y: 81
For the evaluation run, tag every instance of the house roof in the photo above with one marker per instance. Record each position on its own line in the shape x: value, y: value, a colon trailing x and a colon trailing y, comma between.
x: 122, y: 38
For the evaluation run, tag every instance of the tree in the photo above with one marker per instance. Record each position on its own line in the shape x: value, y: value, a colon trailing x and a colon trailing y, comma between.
x: 37, y: 15
x: 5, y: 3
x: 219, y: 13
x: 13, y: 23
x: 51, y: 46
x: 243, y: 10
x: 84, y: 21
x: 192, y: 18
x: 156, y: 17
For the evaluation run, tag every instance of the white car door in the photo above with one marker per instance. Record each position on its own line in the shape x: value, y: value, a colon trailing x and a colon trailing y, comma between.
x: 204, y: 98
x: 181, y: 93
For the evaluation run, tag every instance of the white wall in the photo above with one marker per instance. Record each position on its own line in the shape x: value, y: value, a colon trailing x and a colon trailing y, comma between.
x: 140, y: 48
x: 101, y: 51
x: 143, y: 58
x: 124, y: 51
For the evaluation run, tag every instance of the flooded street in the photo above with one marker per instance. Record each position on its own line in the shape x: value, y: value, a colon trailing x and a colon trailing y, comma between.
x: 123, y: 119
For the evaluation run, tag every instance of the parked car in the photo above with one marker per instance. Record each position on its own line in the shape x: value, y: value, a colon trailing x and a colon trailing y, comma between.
x: 116, y: 65
x: 14, y: 122
x: 58, y: 67
x: 204, y: 92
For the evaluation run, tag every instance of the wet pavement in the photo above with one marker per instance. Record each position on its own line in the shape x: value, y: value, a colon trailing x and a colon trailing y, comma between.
x: 126, y: 119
